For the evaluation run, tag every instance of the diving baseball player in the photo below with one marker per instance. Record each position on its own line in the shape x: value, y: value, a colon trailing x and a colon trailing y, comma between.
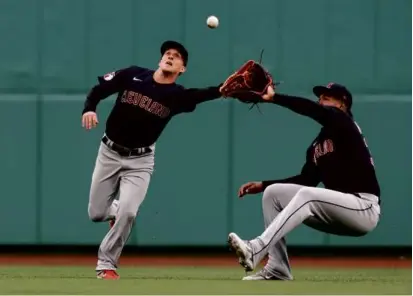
x: 339, y: 157
x: 146, y: 102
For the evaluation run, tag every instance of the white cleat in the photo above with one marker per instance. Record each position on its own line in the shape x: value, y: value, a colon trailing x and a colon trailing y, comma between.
x: 262, y: 275
x: 243, y: 251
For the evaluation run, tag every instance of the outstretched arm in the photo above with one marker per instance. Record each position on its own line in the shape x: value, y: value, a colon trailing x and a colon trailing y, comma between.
x: 302, y: 106
x: 189, y: 98
x: 200, y: 95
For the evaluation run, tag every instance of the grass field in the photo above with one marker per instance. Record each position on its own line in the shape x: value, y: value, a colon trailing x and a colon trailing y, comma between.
x: 192, y: 278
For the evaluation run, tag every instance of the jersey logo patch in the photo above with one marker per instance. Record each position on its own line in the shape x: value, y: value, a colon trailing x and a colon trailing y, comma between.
x: 109, y: 76
x: 322, y: 149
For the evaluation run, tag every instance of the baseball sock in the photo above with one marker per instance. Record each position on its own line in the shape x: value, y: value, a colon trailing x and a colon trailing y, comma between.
x: 113, y: 209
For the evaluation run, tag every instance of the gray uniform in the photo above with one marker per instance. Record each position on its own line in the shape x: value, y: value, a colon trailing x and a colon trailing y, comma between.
x: 285, y: 206
x: 339, y: 158
x: 125, y: 161
x: 125, y: 177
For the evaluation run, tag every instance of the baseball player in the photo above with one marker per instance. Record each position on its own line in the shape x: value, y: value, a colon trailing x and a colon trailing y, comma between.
x: 339, y: 157
x: 146, y: 101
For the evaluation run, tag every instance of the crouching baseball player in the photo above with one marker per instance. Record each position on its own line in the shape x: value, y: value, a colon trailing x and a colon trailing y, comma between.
x: 339, y: 157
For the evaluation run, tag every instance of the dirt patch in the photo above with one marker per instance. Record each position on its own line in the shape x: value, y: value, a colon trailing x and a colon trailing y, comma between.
x: 200, y: 261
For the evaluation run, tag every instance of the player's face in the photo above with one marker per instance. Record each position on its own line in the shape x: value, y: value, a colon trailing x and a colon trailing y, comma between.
x: 172, y: 62
x: 330, y: 101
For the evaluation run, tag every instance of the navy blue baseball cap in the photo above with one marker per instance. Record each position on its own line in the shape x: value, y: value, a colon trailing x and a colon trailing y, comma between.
x: 170, y: 44
x: 335, y: 90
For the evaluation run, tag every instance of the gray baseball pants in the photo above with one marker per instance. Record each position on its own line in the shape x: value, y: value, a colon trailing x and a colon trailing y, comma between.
x: 285, y: 206
x: 128, y: 179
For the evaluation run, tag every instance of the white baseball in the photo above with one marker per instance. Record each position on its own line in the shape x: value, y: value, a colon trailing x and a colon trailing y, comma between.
x: 212, y: 21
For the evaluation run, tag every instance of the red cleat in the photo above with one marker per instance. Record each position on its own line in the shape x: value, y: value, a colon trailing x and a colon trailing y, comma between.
x: 108, y: 275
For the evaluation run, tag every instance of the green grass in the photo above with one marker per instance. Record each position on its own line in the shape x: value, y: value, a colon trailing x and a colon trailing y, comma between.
x: 200, y: 280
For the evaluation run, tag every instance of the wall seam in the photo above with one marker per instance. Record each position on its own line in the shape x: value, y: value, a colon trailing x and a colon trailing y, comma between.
x: 231, y: 124
x: 39, y: 122
x: 374, y: 76
x: 86, y: 41
x: 134, y: 239
x: 327, y: 42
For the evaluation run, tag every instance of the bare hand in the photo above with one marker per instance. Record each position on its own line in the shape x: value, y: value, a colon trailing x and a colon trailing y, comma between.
x: 269, y: 95
x: 89, y: 120
x: 250, y: 188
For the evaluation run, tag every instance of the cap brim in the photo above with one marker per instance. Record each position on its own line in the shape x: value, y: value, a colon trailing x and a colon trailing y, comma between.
x: 321, y: 90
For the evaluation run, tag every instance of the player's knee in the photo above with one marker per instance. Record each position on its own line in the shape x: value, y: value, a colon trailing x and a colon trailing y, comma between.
x: 95, y: 216
x: 267, y: 196
x: 305, y: 194
x: 273, y: 193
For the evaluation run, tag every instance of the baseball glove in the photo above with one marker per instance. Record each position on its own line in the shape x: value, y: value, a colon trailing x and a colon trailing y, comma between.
x: 248, y: 83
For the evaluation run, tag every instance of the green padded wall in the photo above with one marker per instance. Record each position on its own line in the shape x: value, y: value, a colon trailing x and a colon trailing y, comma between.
x: 52, y: 52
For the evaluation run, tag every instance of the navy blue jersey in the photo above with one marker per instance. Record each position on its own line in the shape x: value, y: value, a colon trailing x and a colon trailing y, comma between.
x: 143, y: 107
x: 339, y: 156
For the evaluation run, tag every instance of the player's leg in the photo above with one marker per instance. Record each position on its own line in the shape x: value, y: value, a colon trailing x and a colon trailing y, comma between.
x: 113, y: 210
x: 337, y: 212
x: 134, y: 184
x: 275, y: 198
x: 336, y: 226
x: 105, y: 185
